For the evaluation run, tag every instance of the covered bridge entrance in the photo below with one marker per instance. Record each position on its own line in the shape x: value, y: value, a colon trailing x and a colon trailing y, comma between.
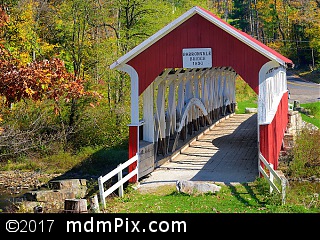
x: 185, y: 74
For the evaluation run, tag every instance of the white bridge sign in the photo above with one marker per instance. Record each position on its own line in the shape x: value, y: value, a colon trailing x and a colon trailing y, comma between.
x: 197, y: 58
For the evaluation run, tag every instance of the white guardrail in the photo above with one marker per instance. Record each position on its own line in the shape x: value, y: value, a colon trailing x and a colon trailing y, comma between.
x: 121, y: 180
x: 273, y: 175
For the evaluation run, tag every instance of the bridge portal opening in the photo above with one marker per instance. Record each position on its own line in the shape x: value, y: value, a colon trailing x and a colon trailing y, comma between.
x: 180, y: 103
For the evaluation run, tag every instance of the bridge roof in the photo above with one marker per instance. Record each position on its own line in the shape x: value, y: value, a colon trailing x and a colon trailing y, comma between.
x: 199, y: 28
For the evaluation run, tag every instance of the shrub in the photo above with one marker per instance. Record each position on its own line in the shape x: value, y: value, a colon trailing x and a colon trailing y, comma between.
x: 306, y: 154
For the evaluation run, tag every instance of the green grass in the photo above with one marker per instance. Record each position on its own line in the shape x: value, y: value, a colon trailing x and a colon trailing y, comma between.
x: 314, y: 116
x: 250, y: 103
x: 245, y: 96
x: 89, y: 160
x: 313, y: 121
x: 246, y: 198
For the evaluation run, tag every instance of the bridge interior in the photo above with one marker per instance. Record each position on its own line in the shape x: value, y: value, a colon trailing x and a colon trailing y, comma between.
x: 182, y: 103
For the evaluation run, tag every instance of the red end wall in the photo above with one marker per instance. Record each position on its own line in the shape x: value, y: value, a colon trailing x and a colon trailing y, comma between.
x: 271, y: 135
x: 198, y: 32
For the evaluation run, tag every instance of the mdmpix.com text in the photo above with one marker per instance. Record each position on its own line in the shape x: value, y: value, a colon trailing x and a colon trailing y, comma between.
x: 125, y: 225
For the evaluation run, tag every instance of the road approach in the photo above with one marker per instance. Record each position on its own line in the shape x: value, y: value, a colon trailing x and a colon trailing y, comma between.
x: 302, y: 90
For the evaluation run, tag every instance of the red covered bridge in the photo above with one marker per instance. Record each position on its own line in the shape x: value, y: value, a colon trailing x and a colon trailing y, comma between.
x: 184, y: 75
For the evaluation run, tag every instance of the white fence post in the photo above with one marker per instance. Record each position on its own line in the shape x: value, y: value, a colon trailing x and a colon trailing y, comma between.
x: 271, y: 177
x: 101, y: 191
x: 283, y: 189
x: 119, y: 179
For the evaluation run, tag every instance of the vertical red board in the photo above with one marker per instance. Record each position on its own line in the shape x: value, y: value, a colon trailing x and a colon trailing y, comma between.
x: 133, y: 149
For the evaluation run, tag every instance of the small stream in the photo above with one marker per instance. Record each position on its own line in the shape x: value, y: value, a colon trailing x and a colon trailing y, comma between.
x: 8, y: 198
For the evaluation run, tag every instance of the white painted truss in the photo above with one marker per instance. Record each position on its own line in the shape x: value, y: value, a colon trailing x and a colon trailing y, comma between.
x: 180, y: 101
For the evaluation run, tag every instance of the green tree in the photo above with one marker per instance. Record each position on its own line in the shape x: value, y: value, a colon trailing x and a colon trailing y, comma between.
x: 241, y: 15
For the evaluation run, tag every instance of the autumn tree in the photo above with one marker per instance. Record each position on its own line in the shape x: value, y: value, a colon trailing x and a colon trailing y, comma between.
x: 37, y: 81
x: 288, y: 26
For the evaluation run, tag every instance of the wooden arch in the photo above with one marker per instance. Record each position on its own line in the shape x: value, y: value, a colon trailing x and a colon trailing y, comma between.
x: 190, y: 103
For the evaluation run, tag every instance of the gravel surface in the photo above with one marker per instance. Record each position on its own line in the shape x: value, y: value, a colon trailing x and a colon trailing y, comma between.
x: 13, y: 182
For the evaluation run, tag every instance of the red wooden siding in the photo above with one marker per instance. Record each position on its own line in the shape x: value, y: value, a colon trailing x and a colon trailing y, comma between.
x: 133, y: 149
x: 271, y: 135
x: 198, y: 32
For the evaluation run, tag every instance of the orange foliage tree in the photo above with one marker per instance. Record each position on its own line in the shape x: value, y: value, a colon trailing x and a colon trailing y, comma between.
x: 37, y: 80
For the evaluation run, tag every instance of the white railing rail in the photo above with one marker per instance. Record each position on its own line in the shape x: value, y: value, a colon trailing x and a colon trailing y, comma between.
x: 273, y: 175
x: 121, y: 180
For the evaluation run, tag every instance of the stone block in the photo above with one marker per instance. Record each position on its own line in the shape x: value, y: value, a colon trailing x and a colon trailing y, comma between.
x: 49, y: 195
x: 67, y: 184
x: 192, y: 187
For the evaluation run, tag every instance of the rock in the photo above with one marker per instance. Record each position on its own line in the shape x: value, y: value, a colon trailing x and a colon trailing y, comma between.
x: 192, y: 187
x: 251, y: 110
x: 38, y: 209
x: 59, y: 191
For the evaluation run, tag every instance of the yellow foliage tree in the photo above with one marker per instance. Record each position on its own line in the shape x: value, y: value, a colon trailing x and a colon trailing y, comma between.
x: 22, y: 36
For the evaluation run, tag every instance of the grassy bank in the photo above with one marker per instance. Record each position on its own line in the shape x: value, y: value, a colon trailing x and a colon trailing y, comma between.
x: 246, y: 198
x: 312, y: 113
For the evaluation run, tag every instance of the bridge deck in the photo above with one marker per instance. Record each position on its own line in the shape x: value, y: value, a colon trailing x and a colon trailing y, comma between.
x: 226, y: 153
